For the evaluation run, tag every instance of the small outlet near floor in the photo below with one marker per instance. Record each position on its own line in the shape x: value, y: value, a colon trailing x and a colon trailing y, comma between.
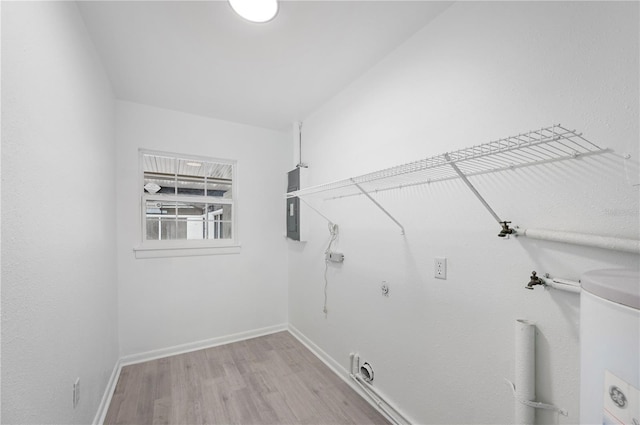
x: 440, y: 268
x: 76, y: 393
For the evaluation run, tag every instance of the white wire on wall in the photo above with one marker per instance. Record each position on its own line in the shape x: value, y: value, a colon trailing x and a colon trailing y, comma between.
x: 333, y: 235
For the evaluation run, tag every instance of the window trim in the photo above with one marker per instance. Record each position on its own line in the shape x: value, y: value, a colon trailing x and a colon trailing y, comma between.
x: 185, y: 248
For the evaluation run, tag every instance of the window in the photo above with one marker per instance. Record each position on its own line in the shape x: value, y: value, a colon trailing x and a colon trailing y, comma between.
x: 188, y: 203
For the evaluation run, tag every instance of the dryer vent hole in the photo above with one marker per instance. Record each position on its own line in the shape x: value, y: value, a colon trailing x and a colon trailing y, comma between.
x: 367, y: 372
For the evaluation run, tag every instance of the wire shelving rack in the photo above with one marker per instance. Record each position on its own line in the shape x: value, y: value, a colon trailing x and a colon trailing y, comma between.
x: 549, y: 144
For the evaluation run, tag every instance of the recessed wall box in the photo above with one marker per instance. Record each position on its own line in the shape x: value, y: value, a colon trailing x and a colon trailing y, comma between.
x: 335, y: 257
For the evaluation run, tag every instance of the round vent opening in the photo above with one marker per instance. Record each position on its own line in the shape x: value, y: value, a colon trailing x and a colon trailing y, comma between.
x: 367, y: 372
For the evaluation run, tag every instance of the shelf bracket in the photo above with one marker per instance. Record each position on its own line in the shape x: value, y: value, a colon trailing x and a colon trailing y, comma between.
x: 365, y: 193
x: 315, y: 210
x: 505, y: 224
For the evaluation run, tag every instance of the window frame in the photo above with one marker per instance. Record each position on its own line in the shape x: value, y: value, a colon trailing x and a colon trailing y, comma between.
x: 185, y: 247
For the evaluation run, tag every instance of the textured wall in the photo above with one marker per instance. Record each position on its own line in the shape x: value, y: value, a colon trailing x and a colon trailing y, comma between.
x: 59, y: 314
x: 480, y: 71
x: 164, y: 302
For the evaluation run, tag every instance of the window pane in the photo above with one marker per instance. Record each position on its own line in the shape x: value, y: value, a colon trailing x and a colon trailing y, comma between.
x: 160, y: 218
x: 191, y: 209
x: 219, y: 230
x: 195, y: 228
x: 219, y: 221
x: 220, y: 212
x: 167, y: 228
x: 159, y: 174
x: 218, y: 170
x: 153, y: 214
x: 157, y: 208
x: 153, y: 229
x: 191, y: 216
x: 219, y: 189
x: 191, y: 228
x: 219, y: 180
x: 190, y: 179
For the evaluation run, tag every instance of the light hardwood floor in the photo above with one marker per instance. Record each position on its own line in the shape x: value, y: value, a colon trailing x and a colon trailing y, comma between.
x: 272, y: 379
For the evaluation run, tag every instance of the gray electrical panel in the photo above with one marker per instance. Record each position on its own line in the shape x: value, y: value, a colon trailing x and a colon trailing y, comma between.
x: 293, y: 180
x: 293, y: 205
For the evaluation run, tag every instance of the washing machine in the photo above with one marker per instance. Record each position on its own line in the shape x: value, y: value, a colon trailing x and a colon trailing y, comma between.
x: 610, y: 347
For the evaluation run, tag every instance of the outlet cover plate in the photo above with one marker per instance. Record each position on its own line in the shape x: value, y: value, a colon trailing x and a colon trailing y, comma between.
x: 440, y: 268
x: 335, y: 257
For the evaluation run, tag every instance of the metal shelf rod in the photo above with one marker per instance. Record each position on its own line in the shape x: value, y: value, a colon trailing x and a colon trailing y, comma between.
x: 379, y: 206
x: 472, y: 188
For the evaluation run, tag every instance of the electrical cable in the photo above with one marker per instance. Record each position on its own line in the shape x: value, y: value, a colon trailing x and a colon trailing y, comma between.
x: 326, y: 285
x: 333, y: 232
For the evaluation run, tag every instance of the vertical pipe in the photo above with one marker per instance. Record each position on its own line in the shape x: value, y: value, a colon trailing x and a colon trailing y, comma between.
x: 525, y: 375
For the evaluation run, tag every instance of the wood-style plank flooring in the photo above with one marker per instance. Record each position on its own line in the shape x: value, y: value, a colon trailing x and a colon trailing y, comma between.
x: 272, y: 379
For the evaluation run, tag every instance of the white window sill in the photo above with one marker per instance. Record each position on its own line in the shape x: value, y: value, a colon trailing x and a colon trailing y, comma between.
x: 183, y: 251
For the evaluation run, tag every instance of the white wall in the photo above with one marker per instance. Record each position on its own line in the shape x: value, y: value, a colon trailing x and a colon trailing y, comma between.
x: 165, y: 302
x: 480, y: 71
x: 59, y: 315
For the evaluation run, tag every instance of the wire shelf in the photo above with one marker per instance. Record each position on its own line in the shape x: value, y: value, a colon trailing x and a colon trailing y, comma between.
x: 554, y: 143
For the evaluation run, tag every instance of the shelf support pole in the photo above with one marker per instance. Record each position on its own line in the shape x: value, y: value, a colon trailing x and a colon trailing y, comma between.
x: 472, y: 188
x: 365, y: 193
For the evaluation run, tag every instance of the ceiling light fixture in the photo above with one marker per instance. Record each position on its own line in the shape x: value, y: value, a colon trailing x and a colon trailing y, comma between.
x: 255, y: 10
x: 194, y: 164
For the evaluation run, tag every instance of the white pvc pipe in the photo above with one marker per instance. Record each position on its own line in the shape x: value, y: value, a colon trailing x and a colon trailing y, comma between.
x: 563, y: 284
x: 525, y: 368
x: 604, y: 242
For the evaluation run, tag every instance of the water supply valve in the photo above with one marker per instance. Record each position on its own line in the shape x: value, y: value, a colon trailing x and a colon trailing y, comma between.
x: 505, y: 229
x: 534, y: 280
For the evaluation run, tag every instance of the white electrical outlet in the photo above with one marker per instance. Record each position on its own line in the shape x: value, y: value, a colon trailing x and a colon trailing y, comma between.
x: 440, y: 268
x: 76, y: 393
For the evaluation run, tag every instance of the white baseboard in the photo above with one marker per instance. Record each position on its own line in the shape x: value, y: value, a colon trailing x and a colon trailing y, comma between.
x: 199, y: 345
x: 108, y: 393
x: 331, y: 363
x: 337, y: 368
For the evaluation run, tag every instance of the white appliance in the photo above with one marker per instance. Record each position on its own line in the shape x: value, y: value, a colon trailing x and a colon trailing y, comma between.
x: 610, y: 347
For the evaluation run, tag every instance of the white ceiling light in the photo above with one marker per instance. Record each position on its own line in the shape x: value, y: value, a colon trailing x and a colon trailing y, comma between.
x: 255, y: 10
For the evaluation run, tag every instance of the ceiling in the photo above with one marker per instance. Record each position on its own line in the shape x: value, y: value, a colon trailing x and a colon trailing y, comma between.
x: 199, y: 57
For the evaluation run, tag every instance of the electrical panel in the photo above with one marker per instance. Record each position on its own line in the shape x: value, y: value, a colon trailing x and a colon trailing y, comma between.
x: 293, y: 218
x: 293, y: 205
x: 293, y: 180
